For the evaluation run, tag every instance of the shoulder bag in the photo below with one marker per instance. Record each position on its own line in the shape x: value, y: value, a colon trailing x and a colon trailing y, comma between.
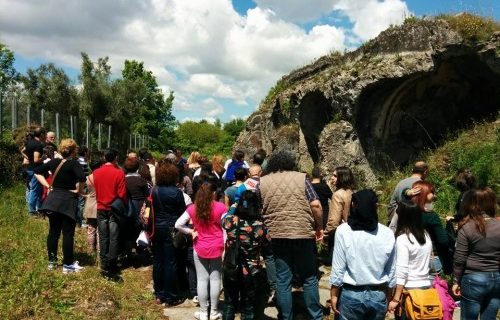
x: 422, y: 304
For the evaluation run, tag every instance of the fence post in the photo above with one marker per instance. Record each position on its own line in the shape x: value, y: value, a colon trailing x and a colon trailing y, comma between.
x: 28, y: 115
x: 130, y: 141
x: 87, y: 133
x: 1, y: 112
x: 58, y: 132
x: 109, y: 136
x: 71, y: 126
x: 42, y: 116
x: 99, y: 137
x: 14, y: 113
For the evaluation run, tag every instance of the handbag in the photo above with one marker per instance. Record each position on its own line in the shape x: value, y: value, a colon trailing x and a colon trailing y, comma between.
x: 422, y: 304
x: 146, y: 216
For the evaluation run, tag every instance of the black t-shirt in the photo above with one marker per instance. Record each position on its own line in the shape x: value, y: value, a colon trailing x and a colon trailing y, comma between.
x: 324, y: 193
x: 70, y: 173
x: 31, y: 147
x: 137, y: 187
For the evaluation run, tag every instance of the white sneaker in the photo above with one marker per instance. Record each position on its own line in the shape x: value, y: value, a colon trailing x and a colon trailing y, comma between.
x: 215, y: 315
x: 200, y: 315
x: 70, y: 268
x: 52, y: 265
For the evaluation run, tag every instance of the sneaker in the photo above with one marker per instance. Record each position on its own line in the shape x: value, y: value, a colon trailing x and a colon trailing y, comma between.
x: 114, y: 277
x: 195, y: 300
x: 52, y: 265
x: 200, y: 315
x: 272, y: 297
x: 215, y: 315
x: 70, y: 268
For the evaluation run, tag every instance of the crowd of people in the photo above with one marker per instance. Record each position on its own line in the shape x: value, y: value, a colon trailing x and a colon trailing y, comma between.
x: 253, y: 229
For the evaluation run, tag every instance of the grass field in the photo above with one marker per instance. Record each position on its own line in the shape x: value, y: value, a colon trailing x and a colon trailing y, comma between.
x: 29, y: 290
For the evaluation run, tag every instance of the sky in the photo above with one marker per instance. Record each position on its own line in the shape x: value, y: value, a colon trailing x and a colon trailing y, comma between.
x: 220, y: 57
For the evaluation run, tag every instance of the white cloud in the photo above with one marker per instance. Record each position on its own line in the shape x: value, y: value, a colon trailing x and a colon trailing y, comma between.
x: 214, y: 51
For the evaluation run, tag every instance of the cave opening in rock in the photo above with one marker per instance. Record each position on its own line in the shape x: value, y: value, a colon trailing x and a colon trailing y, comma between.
x: 315, y: 111
x: 396, y: 119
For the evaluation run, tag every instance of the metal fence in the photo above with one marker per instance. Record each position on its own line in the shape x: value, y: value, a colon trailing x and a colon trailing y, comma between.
x: 15, y: 114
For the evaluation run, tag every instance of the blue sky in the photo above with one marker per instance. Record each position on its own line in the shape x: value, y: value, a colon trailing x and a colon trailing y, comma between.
x: 220, y: 57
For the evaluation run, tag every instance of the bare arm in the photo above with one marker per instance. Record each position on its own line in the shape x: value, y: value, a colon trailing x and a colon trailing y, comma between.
x: 317, y: 213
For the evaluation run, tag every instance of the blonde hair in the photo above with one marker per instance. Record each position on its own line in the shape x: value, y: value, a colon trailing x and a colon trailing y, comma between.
x: 194, y: 157
x: 67, y: 147
x: 217, y: 163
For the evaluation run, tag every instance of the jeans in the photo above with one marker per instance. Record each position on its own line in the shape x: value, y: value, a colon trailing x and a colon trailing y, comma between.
x: 191, y: 271
x: 480, y: 295
x: 435, y: 267
x: 270, y: 266
x: 34, y: 192
x: 362, y: 304
x: 107, y: 227
x: 165, y: 280
x: 299, y: 255
x: 208, y: 272
x: 59, y: 222
x: 248, y: 290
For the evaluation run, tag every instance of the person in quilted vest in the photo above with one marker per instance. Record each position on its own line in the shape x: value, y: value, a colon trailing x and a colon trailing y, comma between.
x: 293, y: 215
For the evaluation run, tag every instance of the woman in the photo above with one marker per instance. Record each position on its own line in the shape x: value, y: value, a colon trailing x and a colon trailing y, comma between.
x: 340, y: 204
x: 90, y: 209
x: 323, y: 191
x: 413, y: 252
x: 137, y: 191
x: 208, y: 245
x: 432, y: 223
x: 193, y: 163
x: 477, y: 256
x: 244, y: 283
x: 61, y: 204
x: 218, y: 165
x: 168, y: 205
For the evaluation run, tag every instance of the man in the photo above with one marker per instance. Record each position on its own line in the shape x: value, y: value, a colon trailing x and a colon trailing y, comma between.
x: 363, y: 262
x: 420, y: 172
x: 293, y: 215
x: 34, y: 152
x: 109, y: 184
x: 50, y: 140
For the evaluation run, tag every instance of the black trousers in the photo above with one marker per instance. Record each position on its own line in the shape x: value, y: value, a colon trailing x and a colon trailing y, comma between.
x: 61, y: 223
x: 107, y: 226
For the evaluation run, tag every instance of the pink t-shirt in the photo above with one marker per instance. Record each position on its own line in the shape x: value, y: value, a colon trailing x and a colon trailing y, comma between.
x: 210, y: 242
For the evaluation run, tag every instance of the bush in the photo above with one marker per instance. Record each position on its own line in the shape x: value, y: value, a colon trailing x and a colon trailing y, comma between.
x: 472, y: 28
x: 10, y: 162
x: 477, y: 148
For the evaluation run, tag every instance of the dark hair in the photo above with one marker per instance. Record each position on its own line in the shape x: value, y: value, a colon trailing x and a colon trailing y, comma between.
x: 240, y: 174
x: 421, y: 198
x: 96, y: 164
x: 166, y: 175
x: 82, y: 151
x: 131, y: 165
x: 316, y: 173
x: 476, y: 204
x: 204, y: 198
x: 48, y: 151
x: 410, y: 221
x: 110, y: 155
x: 39, y: 131
x: 259, y: 158
x: 238, y: 155
x: 420, y: 167
x: 345, y: 178
x: 465, y: 180
x: 144, y: 171
x: 248, y: 206
x: 142, y: 152
x: 282, y: 160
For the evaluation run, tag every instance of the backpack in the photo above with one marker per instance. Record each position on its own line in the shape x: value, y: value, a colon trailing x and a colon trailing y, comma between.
x: 232, y: 168
x: 423, y: 304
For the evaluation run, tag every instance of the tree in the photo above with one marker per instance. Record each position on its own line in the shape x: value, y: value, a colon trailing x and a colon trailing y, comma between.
x: 234, y: 127
x: 8, y: 74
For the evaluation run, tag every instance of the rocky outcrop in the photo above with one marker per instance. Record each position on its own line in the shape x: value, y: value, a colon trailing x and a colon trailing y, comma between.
x: 380, y: 106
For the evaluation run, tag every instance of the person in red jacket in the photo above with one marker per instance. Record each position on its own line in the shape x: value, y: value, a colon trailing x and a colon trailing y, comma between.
x: 109, y: 183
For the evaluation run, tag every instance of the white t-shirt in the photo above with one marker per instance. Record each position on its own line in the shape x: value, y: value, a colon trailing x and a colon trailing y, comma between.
x: 412, y: 261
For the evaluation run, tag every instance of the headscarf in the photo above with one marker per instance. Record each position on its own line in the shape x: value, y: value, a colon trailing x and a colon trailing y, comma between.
x: 363, y: 214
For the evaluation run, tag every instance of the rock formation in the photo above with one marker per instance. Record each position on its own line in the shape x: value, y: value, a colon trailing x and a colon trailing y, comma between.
x: 378, y: 107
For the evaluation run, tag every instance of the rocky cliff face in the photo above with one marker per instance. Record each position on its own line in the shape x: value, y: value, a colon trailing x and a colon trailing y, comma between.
x: 378, y: 107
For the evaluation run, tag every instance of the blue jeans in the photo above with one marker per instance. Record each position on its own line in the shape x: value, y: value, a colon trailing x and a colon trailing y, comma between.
x: 362, y: 303
x: 107, y: 227
x: 165, y: 280
x: 270, y: 266
x: 480, y: 295
x: 34, y: 192
x: 299, y: 255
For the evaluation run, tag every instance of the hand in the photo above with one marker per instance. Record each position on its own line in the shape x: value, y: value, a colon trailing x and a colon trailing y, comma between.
x: 392, y: 306
x: 319, y: 235
x: 456, y: 290
x: 334, y: 301
x: 194, y: 234
x: 413, y: 191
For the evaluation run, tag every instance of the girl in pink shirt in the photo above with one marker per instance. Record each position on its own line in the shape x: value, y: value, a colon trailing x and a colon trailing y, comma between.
x: 208, y: 243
